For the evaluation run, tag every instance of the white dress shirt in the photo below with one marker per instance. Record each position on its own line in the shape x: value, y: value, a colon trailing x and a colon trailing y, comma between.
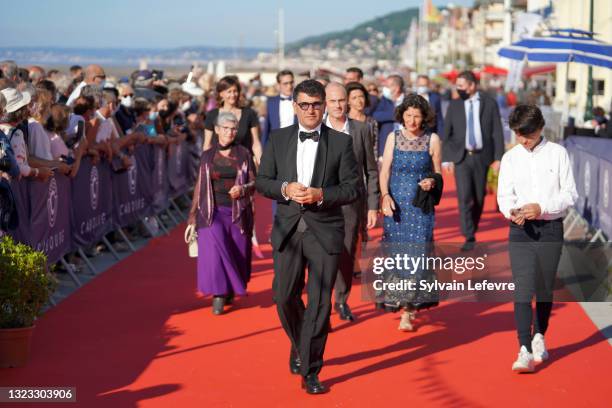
x: 543, y: 176
x: 306, y: 155
x: 475, y: 101
x: 345, y: 127
x: 285, y: 112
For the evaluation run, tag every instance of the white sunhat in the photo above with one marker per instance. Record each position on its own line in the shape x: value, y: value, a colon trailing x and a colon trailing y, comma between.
x: 192, y: 88
x: 15, y: 100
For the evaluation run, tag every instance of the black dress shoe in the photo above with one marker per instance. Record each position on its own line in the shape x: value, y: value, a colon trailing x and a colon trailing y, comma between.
x: 344, y: 311
x: 468, y: 245
x: 295, y: 363
x: 217, y: 305
x: 311, y: 384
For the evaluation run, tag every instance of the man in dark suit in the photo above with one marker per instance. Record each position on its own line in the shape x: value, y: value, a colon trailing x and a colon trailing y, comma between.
x: 434, y: 99
x: 393, y: 95
x: 354, y: 213
x: 310, y: 171
x: 280, y: 107
x: 472, y: 140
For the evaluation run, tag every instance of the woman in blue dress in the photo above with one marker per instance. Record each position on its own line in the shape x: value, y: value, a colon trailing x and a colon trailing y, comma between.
x: 411, y: 157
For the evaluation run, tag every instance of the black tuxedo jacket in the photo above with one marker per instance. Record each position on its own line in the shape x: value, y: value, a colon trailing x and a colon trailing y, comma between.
x: 363, y: 147
x: 453, y: 137
x: 335, y: 171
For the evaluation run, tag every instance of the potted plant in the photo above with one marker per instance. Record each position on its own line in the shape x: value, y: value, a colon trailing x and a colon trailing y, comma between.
x: 25, y: 287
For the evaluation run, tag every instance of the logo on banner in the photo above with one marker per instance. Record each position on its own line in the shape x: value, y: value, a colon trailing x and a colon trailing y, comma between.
x: 178, y: 158
x: 587, y: 178
x: 606, y: 189
x: 52, y: 200
x: 94, y: 187
x: 132, y: 174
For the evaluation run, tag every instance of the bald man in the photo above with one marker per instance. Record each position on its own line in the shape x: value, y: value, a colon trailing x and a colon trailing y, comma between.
x: 355, y: 214
x: 94, y: 75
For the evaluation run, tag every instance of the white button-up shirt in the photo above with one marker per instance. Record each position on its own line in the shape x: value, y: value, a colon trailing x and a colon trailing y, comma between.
x: 285, y: 112
x: 345, y: 127
x: 306, y: 155
x: 543, y: 176
x: 475, y: 101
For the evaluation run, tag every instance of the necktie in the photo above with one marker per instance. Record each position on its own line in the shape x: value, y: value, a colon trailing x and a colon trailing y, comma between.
x: 309, y: 135
x: 471, y: 132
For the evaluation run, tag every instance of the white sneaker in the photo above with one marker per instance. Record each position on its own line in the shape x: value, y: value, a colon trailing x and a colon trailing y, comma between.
x: 524, y: 363
x: 539, y: 348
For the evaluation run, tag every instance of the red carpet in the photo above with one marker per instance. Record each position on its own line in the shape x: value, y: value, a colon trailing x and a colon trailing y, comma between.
x: 139, y: 336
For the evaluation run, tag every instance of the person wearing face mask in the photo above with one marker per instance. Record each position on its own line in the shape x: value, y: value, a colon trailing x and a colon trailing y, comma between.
x: 94, y: 75
x: 434, y: 99
x: 536, y: 187
x: 125, y: 115
x: 393, y: 95
x: 228, y: 93
x: 473, y: 140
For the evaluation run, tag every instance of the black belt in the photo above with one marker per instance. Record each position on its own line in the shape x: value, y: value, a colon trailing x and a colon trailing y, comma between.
x: 471, y: 152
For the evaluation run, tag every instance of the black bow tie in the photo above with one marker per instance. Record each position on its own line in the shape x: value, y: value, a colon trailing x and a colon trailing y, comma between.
x: 286, y: 98
x: 309, y: 135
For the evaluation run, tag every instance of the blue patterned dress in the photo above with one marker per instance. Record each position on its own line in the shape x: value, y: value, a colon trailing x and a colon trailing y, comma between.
x: 409, y: 230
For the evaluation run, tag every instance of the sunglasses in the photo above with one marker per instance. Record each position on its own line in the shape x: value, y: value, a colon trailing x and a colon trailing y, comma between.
x: 307, y: 105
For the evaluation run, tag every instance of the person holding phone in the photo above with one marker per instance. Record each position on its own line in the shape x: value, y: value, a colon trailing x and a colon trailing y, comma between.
x: 535, y: 188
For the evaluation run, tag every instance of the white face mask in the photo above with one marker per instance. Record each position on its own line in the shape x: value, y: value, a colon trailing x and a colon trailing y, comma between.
x: 127, y: 101
x: 186, y: 106
x: 421, y: 90
x: 386, y: 92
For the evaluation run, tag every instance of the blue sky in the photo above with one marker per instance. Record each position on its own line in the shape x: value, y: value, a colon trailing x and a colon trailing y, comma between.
x: 175, y: 23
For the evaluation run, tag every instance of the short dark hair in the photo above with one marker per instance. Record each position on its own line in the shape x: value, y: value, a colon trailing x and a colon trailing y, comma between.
x: 48, y: 85
x: 283, y: 73
x: 358, y: 86
x: 468, y: 76
x: 526, y: 119
x: 75, y: 68
x: 398, y: 80
x: 356, y: 70
x: 416, y: 101
x: 141, y: 105
x: 310, y: 87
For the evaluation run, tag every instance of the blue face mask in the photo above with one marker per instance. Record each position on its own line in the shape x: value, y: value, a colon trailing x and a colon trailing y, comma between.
x: 153, y: 115
x: 150, y: 130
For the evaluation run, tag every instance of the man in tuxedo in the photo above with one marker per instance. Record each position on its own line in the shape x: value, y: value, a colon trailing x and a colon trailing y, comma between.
x: 472, y: 140
x: 354, y: 213
x: 434, y: 99
x: 280, y: 108
x: 393, y: 96
x: 355, y: 74
x: 310, y: 171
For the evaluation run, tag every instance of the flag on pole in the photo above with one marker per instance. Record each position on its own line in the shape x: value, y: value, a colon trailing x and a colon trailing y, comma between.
x: 431, y: 13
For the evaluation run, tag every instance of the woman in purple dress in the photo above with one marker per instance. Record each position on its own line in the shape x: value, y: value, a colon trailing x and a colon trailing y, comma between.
x: 222, y: 212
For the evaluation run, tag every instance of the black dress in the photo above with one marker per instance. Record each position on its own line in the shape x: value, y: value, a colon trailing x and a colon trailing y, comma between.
x: 244, y: 137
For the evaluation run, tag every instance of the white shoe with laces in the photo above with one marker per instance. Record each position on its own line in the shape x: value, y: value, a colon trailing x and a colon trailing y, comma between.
x: 539, y: 348
x: 524, y: 363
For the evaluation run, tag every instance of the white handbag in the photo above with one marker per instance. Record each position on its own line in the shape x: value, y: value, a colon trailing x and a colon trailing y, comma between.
x: 191, y: 239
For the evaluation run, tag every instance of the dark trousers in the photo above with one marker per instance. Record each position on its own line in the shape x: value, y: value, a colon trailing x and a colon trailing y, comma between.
x: 346, y: 261
x: 306, y: 326
x: 471, y: 181
x: 535, y: 250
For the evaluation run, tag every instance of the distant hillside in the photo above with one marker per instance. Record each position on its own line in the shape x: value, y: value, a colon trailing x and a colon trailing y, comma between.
x: 388, y: 31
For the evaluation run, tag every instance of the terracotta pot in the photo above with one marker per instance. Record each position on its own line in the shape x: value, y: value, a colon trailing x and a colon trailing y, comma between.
x: 15, y: 346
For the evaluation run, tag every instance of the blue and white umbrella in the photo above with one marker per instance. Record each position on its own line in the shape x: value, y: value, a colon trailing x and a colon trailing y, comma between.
x: 563, y: 45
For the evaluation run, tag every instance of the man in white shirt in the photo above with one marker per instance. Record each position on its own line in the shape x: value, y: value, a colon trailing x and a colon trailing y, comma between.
x: 310, y: 171
x: 94, y: 75
x: 279, y: 112
x: 535, y: 188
